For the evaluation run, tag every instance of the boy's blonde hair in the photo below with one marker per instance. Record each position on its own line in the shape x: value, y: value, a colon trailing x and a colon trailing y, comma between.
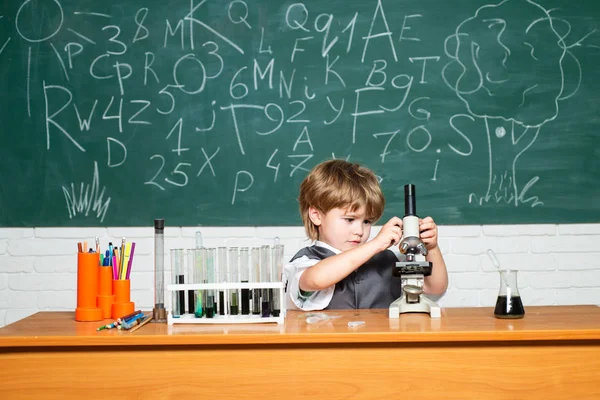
x: 339, y: 184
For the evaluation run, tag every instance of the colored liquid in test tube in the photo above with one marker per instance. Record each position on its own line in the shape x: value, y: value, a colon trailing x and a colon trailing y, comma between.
x: 190, y: 275
x: 210, y: 302
x: 244, y: 274
x: 222, y: 266
x: 177, y: 276
x: 265, y: 272
x: 276, y: 270
x: 254, y: 278
x: 190, y: 279
x: 195, y: 261
x: 234, y: 277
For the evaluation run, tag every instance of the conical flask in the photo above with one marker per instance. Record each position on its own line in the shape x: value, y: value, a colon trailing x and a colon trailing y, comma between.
x: 509, y: 304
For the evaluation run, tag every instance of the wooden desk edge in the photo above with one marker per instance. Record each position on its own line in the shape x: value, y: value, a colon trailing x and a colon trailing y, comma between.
x: 579, y: 323
x: 301, y: 339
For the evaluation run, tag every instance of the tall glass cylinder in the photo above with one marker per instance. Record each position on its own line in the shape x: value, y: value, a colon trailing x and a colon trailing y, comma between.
x: 222, y: 267
x: 159, y: 313
x: 265, y: 272
x: 177, y: 277
x: 244, y: 277
x: 234, y: 294
x: 254, y: 278
x: 276, y: 270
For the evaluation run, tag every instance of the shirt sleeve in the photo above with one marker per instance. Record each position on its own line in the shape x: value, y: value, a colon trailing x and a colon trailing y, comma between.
x: 297, y: 299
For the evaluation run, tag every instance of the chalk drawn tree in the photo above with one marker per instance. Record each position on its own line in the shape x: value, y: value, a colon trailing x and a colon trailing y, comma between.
x: 511, y: 66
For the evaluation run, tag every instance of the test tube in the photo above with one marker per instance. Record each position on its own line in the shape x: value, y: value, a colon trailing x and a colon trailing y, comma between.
x: 254, y: 278
x: 210, y: 302
x: 244, y: 273
x: 276, y: 270
x: 222, y: 265
x: 159, y: 313
x: 177, y: 277
x: 234, y: 277
x: 265, y: 272
x: 190, y: 278
x: 195, y: 265
x: 199, y: 262
x: 198, y: 239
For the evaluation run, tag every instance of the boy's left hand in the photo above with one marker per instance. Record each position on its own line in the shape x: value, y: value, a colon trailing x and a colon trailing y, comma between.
x: 429, y: 232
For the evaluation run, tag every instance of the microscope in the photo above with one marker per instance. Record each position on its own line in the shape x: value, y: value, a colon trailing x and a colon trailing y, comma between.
x: 411, y: 271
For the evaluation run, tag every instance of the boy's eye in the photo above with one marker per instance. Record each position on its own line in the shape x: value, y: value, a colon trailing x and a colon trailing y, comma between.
x: 349, y: 219
x: 367, y: 222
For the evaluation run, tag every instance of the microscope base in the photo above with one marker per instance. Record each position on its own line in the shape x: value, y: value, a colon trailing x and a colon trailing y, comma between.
x: 400, y: 306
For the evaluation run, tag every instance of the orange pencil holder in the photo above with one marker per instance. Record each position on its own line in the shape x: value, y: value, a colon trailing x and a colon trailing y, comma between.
x: 87, y: 287
x: 105, y: 297
x: 122, y: 305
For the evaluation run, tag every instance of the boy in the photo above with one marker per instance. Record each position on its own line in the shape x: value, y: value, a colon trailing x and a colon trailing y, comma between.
x: 339, y: 202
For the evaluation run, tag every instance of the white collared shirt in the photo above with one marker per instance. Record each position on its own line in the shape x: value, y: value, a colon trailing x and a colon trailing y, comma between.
x: 292, y: 272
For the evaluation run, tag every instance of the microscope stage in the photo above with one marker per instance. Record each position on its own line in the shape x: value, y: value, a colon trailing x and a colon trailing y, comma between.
x: 413, y: 268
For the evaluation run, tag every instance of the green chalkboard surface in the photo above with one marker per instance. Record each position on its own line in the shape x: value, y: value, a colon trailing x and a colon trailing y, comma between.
x: 114, y: 113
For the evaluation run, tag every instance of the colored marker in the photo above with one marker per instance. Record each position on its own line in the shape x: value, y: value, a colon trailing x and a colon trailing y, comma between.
x: 129, y: 325
x: 133, y: 314
x: 130, y: 260
x: 134, y: 318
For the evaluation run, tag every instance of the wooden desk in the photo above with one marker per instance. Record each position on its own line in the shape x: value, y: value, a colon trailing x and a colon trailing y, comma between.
x: 553, y: 353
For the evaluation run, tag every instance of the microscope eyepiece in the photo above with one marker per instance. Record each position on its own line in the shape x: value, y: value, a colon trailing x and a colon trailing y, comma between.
x: 410, y: 204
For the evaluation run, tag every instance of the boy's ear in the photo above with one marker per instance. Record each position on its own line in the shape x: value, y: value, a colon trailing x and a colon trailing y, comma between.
x: 314, y: 215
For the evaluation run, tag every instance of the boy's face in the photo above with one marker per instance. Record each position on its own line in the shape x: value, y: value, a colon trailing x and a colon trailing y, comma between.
x: 342, y: 228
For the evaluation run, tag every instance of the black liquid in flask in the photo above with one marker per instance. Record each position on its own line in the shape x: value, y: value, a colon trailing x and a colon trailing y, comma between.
x: 508, y: 303
x: 509, y: 307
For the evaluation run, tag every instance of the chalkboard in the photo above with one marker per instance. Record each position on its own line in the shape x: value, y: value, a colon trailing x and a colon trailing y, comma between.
x: 211, y: 112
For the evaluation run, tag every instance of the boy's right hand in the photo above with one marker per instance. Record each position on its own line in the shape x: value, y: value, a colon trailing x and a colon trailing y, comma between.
x: 389, y: 235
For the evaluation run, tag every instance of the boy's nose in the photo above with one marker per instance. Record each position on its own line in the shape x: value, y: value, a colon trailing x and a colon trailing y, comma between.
x: 359, y: 230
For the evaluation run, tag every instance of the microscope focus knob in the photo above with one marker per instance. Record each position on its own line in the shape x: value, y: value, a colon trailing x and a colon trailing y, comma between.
x: 422, y: 248
x: 404, y: 247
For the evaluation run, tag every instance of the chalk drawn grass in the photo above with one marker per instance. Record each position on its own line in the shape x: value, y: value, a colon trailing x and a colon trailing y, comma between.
x: 87, y: 199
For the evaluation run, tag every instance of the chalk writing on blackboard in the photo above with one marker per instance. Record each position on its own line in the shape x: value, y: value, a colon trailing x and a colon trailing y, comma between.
x: 487, y: 78
x: 250, y: 95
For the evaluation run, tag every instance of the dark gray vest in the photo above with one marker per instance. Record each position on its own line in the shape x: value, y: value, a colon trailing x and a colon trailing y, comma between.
x: 370, y: 286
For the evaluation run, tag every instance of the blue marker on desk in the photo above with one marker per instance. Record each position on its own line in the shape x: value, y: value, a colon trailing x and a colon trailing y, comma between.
x: 133, y: 322
x: 135, y: 317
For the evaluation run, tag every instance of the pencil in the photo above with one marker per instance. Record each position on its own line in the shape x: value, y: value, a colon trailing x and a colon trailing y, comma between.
x: 135, y: 328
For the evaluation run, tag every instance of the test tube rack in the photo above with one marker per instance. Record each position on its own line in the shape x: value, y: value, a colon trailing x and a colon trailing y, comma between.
x: 227, y: 318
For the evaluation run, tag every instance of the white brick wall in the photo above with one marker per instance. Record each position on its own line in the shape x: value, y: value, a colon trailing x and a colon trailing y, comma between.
x: 558, y: 264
